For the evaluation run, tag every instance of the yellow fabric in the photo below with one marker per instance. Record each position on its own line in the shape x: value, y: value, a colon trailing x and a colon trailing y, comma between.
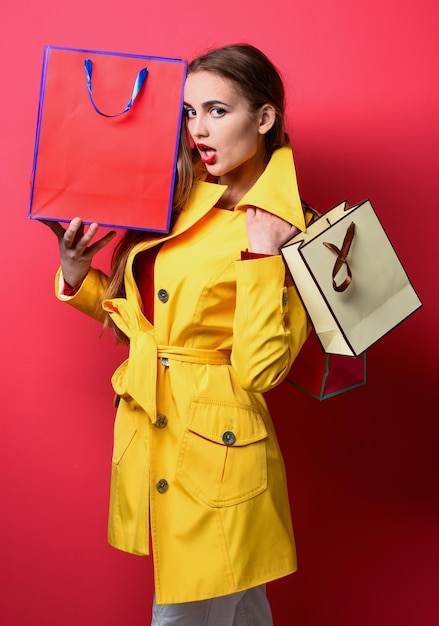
x: 227, y: 332
x: 276, y: 190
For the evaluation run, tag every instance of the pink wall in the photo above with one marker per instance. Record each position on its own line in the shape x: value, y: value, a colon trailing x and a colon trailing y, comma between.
x: 363, y: 467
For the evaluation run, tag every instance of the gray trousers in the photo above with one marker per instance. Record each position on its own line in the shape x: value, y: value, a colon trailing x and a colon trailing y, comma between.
x: 247, y: 608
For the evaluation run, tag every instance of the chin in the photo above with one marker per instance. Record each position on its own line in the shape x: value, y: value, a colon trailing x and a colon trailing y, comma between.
x: 214, y: 171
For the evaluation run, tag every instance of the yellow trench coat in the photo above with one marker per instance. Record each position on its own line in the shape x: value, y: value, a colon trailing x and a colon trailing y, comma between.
x: 195, y: 457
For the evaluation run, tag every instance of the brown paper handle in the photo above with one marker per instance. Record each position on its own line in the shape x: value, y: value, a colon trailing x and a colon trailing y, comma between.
x: 342, y: 259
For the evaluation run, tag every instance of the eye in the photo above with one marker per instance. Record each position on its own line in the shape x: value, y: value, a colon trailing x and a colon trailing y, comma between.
x: 190, y: 113
x: 217, y: 111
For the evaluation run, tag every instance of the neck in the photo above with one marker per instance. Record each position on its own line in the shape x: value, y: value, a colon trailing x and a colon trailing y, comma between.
x: 238, y: 183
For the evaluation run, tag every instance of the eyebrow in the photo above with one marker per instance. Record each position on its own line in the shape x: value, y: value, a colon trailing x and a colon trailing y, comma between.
x: 208, y: 104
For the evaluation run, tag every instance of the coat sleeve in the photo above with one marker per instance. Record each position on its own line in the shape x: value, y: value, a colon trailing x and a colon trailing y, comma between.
x: 270, y: 324
x: 88, y: 297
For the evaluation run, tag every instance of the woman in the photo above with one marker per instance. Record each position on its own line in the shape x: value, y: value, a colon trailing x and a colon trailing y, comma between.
x: 211, y: 325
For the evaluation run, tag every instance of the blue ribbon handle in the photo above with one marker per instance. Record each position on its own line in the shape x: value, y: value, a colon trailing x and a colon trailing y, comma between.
x: 140, y: 79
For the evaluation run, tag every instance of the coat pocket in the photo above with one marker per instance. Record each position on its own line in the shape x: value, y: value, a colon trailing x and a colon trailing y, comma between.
x: 223, y: 459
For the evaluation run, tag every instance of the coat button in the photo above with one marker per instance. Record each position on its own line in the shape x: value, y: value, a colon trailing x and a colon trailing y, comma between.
x: 229, y: 438
x: 163, y: 295
x: 284, y: 299
x: 161, y: 421
x: 164, y: 361
x: 162, y: 485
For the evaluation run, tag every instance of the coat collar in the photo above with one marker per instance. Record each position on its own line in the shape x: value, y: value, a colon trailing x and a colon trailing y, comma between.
x: 275, y: 191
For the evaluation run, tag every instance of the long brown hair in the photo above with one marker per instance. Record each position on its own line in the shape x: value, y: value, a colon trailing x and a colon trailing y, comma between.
x: 259, y: 82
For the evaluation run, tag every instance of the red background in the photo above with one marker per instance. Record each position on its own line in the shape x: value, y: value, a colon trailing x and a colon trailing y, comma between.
x: 363, y: 467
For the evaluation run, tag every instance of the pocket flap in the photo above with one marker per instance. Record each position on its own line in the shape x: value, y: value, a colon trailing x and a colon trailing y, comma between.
x: 229, y: 423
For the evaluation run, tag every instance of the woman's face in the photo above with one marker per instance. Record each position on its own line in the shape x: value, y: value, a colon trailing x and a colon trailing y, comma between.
x: 229, y: 138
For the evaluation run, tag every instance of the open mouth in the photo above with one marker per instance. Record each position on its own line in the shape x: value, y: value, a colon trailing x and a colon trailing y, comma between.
x: 208, y: 154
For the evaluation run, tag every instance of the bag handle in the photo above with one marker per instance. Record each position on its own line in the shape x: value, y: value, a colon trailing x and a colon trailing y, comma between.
x: 138, y: 84
x: 342, y: 259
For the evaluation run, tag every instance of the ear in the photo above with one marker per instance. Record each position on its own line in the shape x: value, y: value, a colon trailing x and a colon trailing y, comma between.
x: 267, y: 118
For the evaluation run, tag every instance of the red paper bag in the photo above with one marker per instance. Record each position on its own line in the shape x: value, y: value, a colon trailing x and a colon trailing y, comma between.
x: 325, y: 375
x: 107, y: 138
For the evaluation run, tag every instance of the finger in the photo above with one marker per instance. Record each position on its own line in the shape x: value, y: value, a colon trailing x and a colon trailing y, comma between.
x: 71, y: 233
x: 101, y: 243
x: 86, y: 239
x: 55, y: 227
x: 83, y: 239
x: 79, y: 232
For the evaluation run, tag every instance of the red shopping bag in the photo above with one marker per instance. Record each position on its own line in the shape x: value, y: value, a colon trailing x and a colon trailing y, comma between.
x: 324, y: 375
x: 107, y: 138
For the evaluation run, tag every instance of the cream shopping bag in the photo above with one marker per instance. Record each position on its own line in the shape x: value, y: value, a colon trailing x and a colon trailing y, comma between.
x: 350, y: 279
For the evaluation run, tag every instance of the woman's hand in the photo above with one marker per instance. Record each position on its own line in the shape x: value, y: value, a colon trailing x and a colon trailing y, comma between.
x: 76, y: 254
x: 267, y: 232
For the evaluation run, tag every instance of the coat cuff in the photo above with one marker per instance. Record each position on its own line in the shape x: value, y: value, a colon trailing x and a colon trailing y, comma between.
x: 87, y: 297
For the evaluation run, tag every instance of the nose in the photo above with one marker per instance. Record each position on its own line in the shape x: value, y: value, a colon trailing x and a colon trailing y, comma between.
x: 198, y: 127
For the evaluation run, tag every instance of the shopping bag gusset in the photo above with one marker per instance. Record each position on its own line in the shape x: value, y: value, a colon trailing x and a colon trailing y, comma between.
x: 107, y: 138
x: 324, y: 375
x: 350, y: 279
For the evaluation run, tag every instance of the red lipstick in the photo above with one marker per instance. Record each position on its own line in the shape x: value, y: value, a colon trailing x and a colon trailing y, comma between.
x: 208, y: 154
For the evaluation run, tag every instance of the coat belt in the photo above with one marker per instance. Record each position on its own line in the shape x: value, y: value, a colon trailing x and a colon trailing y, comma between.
x: 195, y: 355
x: 136, y: 377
